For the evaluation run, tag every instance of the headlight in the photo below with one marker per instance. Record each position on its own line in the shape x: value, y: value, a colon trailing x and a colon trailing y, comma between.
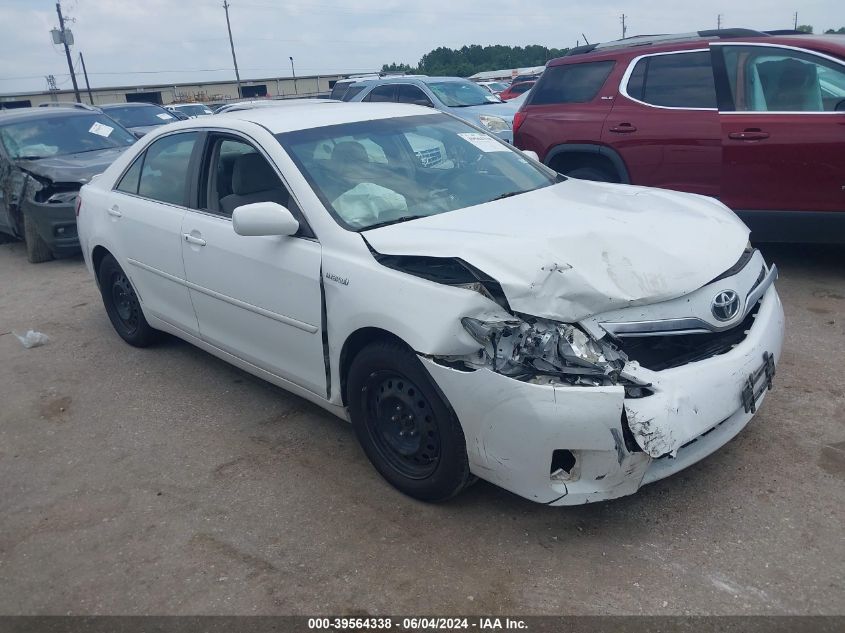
x: 494, y: 123
x: 517, y: 347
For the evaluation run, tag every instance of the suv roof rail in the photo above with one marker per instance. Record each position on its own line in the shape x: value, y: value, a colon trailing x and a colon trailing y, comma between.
x: 68, y: 104
x: 660, y: 38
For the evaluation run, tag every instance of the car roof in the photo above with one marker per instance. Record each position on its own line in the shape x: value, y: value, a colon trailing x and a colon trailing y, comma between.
x: 23, y: 114
x: 128, y: 105
x: 648, y: 44
x: 305, y: 116
x: 423, y: 79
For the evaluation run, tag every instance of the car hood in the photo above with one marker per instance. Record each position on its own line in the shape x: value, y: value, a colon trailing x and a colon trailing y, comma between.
x: 579, y: 248
x: 79, y: 167
x: 503, y: 110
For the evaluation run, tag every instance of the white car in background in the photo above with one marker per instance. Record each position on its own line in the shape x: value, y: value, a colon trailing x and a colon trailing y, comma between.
x: 191, y: 110
x: 567, y: 340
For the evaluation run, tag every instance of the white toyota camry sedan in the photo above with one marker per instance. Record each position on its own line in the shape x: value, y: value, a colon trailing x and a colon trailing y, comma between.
x: 472, y: 313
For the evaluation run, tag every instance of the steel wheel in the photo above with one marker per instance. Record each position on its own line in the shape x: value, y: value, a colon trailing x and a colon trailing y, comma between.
x: 125, y: 302
x: 401, y: 423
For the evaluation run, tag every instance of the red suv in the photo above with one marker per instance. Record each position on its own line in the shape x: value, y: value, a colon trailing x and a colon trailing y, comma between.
x: 754, y: 119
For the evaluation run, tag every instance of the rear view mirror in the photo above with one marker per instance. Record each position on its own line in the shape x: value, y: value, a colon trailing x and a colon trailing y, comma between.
x: 264, y: 218
x: 531, y: 154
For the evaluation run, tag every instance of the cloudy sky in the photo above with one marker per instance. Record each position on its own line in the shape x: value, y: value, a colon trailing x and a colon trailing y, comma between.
x: 136, y: 42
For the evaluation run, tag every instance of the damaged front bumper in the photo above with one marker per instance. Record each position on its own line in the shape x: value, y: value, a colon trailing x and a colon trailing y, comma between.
x: 56, y: 224
x: 563, y: 445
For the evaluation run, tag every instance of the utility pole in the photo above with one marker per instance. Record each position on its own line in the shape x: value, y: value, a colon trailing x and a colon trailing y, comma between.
x: 67, y: 51
x: 719, y: 21
x: 624, y: 26
x: 795, y: 22
x: 85, y: 73
x: 232, y: 44
x: 295, y: 91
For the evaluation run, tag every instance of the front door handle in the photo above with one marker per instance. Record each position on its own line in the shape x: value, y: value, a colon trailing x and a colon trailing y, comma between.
x: 114, y: 211
x: 192, y: 239
x: 749, y: 134
x: 623, y: 128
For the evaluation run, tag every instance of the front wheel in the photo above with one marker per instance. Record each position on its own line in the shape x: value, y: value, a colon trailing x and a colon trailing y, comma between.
x: 405, y: 427
x: 37, y: 250
x: 122, y: 305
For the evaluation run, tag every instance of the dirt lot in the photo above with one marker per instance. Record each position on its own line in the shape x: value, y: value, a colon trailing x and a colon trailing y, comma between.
x: 165, y: 481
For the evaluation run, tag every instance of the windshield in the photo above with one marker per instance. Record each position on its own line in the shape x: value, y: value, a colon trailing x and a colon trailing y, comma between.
x: 134, y: 116
x: 460, y: 94
x: 60, y: 135
x: 373, y: 173
x: 194, y: 109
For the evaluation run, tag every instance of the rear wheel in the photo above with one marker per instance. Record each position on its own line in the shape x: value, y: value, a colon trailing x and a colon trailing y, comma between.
x: 404, y: 425
x: 37, y: 250
x: 122, y: 305
x: 591, y: 173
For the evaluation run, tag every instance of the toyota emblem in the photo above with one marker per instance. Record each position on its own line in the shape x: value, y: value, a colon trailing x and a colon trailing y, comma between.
x: 725, y: 305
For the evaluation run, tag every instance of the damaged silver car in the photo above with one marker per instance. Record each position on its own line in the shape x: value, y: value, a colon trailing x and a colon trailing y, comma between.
x: 46, y: 155
x: 471, y: 312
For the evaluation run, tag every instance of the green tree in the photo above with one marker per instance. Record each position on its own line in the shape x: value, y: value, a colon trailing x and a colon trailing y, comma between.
x: 474, y: 58
x: 839, y: 31
x: 397, y: 68
x: 805, y: 28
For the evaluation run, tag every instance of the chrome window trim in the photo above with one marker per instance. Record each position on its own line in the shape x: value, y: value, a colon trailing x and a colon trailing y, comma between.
x: 789, y: 48
x: 623, y: 83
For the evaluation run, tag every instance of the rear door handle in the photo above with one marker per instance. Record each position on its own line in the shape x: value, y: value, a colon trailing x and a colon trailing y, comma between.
x: 191, y: 239
x: 751, y: 134
x: 623, y: 128
x: 114, y: 211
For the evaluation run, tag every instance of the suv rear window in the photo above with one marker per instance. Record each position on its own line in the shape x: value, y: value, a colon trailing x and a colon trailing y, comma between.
x: 571, y: 83
x: 677, y: 80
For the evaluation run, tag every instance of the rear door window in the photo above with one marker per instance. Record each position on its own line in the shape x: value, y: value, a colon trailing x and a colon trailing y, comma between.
x: 382, y: 93
x: 676, y: 80
x: 571, y: 83
x: 164, y: 176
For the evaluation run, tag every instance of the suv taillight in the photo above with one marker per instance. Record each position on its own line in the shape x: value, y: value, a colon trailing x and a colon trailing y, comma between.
x: 78, y: 206
x: 518, y: 120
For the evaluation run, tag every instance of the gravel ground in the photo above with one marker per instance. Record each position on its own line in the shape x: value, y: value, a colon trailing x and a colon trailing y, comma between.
x: 165, y: 481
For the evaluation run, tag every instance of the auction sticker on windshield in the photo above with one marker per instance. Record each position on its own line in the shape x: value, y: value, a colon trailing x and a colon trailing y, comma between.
x: 101, y: 130
x: 484, y: 142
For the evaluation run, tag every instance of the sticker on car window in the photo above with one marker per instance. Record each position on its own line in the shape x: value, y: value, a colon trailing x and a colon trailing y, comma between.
x: 164, y: 117
x: 483, y: 142
x: 101, y: 130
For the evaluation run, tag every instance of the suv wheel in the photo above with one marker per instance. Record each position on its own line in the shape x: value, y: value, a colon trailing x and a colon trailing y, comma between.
x: 590, y: 173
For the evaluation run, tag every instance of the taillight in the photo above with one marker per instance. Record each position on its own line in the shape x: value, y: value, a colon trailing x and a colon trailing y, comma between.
x: 78, y: 206
x: 518, y: 120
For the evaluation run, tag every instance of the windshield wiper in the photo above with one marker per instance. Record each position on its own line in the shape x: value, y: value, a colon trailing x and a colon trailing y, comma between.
x: 404, y: 218
x: 31, y: 157
x: 507, y: 194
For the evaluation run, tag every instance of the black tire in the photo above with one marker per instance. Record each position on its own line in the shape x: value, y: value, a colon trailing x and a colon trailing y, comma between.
x: 37, y: 250
x: 122, y: 305
x: 404, y: 425
x: 591, y: 173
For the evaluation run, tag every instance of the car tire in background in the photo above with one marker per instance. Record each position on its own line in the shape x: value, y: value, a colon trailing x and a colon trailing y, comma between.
x: 590, y: 173
x: 405, y: 426
x: 37, y: 250
x: 122, y: 305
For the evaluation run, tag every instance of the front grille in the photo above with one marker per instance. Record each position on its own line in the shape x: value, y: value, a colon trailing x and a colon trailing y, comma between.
x: 664, y: 352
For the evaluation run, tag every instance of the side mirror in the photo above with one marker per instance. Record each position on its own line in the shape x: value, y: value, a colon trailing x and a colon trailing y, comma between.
x: 264, y: 218
x: 531, y: 154
x: 423, y: 102
x: 840, y: 106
